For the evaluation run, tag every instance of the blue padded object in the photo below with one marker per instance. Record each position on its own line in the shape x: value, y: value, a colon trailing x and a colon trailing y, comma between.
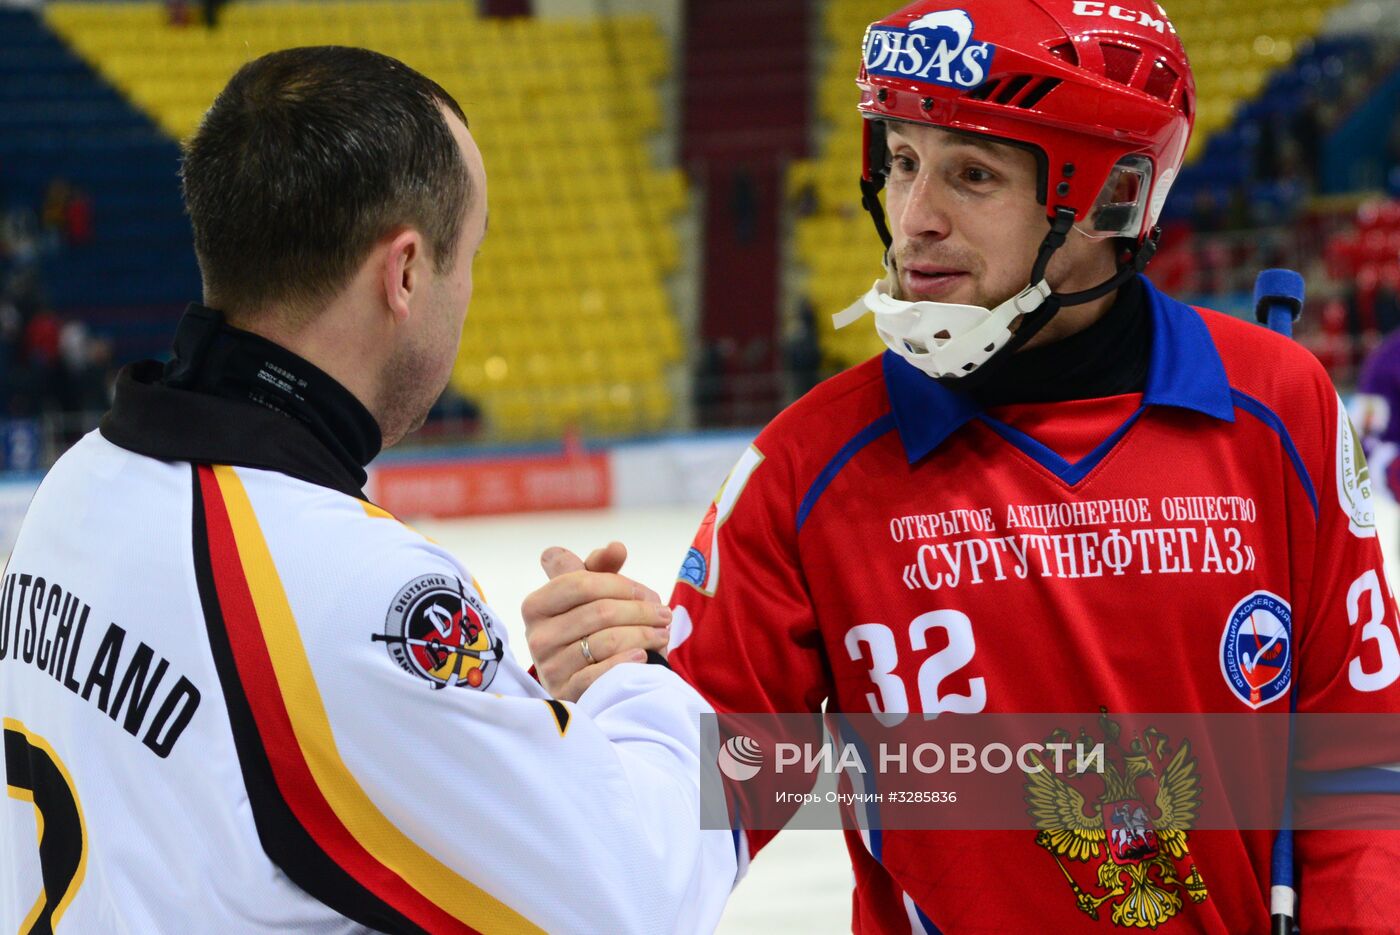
x: 1278, y: 299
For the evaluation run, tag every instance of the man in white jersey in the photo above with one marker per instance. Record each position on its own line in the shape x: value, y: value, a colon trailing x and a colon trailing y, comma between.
x: 239, y: 697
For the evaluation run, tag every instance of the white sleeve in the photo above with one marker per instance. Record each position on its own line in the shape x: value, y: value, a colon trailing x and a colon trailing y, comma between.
x: 442, y: 779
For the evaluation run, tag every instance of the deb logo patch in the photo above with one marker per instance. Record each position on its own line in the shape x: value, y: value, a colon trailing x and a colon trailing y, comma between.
x: 439, y: 631
x: 937, y: 47
x: 1257, y: 647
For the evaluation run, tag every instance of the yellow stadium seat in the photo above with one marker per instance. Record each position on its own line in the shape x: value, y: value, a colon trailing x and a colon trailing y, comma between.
x: 582, y: 225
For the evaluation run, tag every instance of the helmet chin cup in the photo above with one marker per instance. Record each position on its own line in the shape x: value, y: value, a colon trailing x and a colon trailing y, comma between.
x: 943, y: 339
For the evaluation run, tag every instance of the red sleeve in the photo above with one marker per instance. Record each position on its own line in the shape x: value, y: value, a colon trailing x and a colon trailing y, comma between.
x: 745, y: 631
x: 1348, y: 662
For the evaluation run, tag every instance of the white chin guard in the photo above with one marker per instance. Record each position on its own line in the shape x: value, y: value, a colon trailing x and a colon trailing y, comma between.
x: 972, y: 334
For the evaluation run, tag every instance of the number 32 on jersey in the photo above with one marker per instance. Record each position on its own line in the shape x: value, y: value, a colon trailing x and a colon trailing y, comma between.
x: 876, y: 644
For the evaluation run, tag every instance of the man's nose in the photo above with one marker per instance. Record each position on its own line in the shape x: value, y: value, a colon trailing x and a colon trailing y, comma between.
x: 926, y: 212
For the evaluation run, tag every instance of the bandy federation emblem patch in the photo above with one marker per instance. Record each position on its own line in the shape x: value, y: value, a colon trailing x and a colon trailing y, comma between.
x: 439, y: 631
x: 1353, y: 479
x: 1256, y: 650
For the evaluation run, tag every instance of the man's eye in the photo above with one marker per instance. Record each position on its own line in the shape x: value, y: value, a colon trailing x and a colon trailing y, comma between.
x: 977, y: 174
x: 902, y: 165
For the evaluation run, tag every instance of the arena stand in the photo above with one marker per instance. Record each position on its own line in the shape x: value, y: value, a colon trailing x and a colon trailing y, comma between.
x: 583, y: 229
x: 594, y: 317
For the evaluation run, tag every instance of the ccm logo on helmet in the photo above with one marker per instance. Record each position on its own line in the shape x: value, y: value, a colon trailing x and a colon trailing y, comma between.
x: 1094, y: 8
x: 936, y: 47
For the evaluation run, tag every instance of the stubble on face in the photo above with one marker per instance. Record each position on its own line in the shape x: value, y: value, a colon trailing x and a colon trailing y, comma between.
x: 964, y: 215
x: 420, y: 368
x: 990, y: 232
x: 410, y: 388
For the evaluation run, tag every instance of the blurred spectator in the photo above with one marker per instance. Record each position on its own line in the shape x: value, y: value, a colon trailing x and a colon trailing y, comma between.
x: 711, y: 369
x: 85, y: 363
x: 744, y: 206
x: 455, y: 413
x: 1393, y: 157
x: 45, y: 373
x: 802, y: 353
x: 1386, y: 304
x: 805, y: 201
x: 1308, y: 133
x: 211, y: 9
x: 11, y: 327
x: 1375, y: 411
x: 67, y: 215
x: 1207, y: 213
x: 54, y: 216
x: 77, y: 220
x: 177, y: 12
x: 1266, y: 150
x: 49, y: 366
x: 19, y: 238
x: 41, y: 335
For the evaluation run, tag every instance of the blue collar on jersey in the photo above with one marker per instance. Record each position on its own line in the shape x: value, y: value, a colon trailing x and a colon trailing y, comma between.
x: 1185, y: 371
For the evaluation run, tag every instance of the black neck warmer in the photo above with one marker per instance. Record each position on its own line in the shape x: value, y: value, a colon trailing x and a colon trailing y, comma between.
x: 1108, y: 358
x: 213, y: 358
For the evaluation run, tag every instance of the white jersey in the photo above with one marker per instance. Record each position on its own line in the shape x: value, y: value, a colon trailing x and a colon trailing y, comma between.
x: 239, y: 701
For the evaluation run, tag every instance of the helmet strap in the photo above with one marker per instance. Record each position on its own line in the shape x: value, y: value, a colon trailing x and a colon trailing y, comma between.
x: 1054, y: 240
x: 870, y: 201
x: 1141, y: 254
x: 1032, y: 324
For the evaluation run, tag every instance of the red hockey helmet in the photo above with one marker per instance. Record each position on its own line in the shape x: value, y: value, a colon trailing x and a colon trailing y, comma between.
x: 1101, y: 90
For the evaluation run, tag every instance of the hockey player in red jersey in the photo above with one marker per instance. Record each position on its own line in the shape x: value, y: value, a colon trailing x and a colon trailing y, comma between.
x: 1059, y: 489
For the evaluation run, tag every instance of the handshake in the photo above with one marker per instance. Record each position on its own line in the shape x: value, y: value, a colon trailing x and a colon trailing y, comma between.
x: 589, y: 618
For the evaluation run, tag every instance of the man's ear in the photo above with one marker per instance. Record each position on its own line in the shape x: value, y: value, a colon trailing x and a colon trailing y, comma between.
x: 403, y: 272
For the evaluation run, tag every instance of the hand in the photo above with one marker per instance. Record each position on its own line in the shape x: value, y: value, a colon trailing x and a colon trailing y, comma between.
x: 620, y: 618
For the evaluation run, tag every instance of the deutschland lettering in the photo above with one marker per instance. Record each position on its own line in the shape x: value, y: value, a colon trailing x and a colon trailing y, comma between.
x: 42, y: 624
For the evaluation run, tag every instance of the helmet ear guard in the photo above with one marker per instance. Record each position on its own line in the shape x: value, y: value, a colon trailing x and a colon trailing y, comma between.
x: 1121, y: 203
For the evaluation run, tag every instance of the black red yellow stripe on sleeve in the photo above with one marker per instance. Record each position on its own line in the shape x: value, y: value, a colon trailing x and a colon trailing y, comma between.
x: 314, y: 820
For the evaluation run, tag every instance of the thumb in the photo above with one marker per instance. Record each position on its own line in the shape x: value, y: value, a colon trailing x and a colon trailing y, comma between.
x: 557, y: 561
x: 609, y: 558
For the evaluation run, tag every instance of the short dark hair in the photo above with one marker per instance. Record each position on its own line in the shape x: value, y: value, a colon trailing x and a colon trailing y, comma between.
x: 306, y: 159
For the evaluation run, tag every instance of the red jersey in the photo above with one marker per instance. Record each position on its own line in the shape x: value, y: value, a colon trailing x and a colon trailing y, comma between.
x: 887, y: 546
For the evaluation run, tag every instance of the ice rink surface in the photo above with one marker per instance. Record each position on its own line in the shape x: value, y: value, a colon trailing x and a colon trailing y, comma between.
x: 802, y: 881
